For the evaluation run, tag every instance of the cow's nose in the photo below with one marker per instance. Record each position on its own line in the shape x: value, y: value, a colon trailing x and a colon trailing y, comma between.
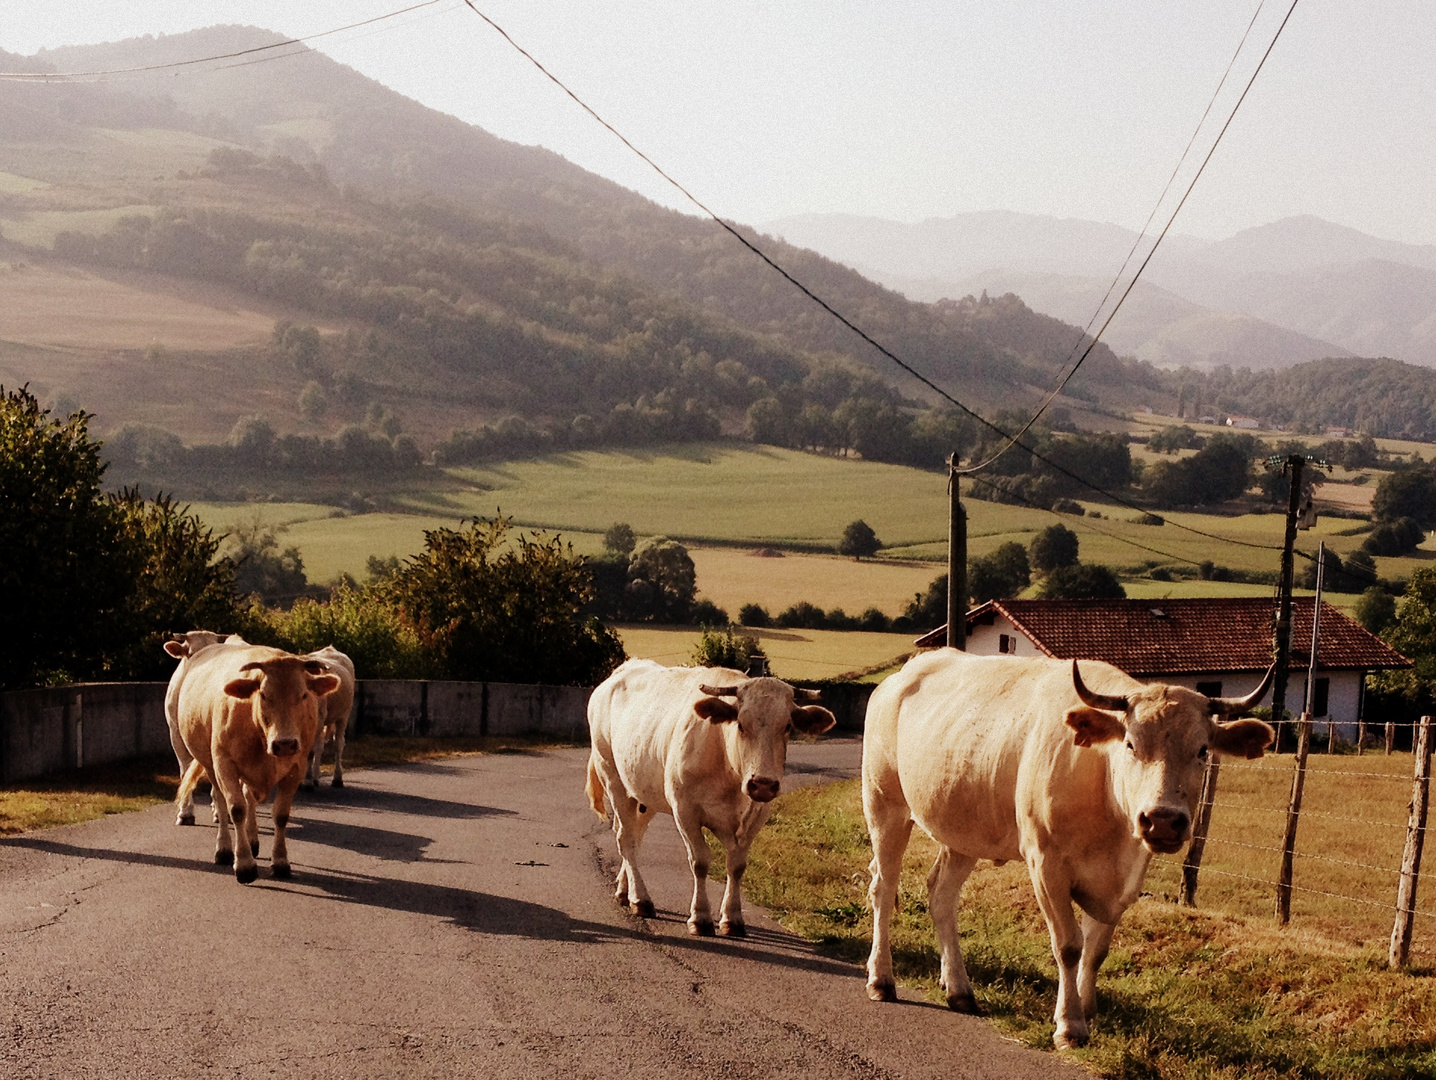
x: 762, y: 789
x: 1163, y: 828
x: 283, y: 747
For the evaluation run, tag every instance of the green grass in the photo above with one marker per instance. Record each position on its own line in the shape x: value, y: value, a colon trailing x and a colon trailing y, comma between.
x: 1185, y: 994
x: 10, y: 184
x: 730, y: 493
x: 39, y: 229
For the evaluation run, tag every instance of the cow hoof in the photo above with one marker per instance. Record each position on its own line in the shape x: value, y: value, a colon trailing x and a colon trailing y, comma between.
x: 224, y: 858
x: 733, y: 929
x: 338, y: 781
x: 185, y: 819
x: 703, y: 928
x: 281, y: 871
x: 964, y: 1003
x: 642, y: 908
x: 246, y: 874
x: 1069, y: 1040
x: 882, y: 991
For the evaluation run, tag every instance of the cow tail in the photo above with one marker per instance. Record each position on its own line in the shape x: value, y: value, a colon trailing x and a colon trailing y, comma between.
x: 192, y: 776
x: 595, y: 788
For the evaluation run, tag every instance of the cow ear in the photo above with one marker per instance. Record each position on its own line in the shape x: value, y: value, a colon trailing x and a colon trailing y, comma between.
x: 241, y: 688
x: 1243, y: 738
x: 812, y: 719
x: 178, y: 649
x: 323, y: 684
x: 1093, y: 726
x: 715, y: 709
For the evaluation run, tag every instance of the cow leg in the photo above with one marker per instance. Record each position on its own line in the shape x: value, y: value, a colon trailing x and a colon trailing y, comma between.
x: 629, y: 824
x: 232, y: 802
x: 251, y: 820
x: 1096, y: 937
x: 338, y: 780
x: 890, y: 826
x: 184, y: 795
x: 316, y: 756
x: 700, y: 917
x: 944, y: 886
x: 1054, y: 897
x: 283, y: 801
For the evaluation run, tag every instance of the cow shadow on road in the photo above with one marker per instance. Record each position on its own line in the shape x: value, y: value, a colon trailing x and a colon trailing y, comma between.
x: 395, y: 802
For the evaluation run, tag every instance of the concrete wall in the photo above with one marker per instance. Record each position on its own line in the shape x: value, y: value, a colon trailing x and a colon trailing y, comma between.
x: 67, y: 727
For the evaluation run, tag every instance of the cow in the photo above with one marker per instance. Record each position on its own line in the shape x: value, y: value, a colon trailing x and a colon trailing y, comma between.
x: 999, y: 757
x: 249, y: 714
x: 706, y: 745
x: 182, y: 647
x: 333, y: 715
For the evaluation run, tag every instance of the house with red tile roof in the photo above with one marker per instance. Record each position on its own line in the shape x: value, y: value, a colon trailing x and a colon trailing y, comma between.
x: 1220, y: 646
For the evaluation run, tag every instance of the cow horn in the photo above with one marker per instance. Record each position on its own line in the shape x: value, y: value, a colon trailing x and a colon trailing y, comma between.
x: 719, y: 691
x: 1105, y: 702
x: 802, y: 693
x: 1220, y: 706
x: 251, y: 666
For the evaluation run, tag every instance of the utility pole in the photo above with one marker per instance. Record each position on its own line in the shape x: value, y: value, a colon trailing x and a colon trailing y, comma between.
x: 956, y: 560
x: 1299, y: 515
x: 1281, y: 645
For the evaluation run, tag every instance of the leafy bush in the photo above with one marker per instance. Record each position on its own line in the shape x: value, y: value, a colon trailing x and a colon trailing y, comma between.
x: 1068, y: 506
x: 754, y: 615
x: 706, y: 613
x: 723, y: 648
x: 491, y: 608
x: 1055, y: 546
x: 1397, y: 537
x: 1081, y: 581
x: 859, y: 540
x: 356, y: 622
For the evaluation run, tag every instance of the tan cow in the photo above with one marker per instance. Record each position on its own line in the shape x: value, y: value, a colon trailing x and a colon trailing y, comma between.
x: 999, y: 757
x: 333, y: 714
x: 182, y: 647
x: 706, y: 745
x: 249, y: 715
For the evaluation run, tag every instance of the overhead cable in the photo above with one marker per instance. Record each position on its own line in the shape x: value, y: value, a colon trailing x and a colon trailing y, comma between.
x: 839, y: 316
x: 77, y: 76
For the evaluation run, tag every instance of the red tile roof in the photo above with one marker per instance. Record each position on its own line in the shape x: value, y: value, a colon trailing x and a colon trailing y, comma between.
x: 1188, y: 635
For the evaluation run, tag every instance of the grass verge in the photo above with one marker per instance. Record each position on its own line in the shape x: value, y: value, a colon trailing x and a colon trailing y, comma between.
x: 1184, y: 994
x: 79, y: 795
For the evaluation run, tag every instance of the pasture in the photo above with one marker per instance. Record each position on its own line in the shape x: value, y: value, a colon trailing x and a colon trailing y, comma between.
x: 793, y: 654
x: 732, y: 495
x: 1217, y: 991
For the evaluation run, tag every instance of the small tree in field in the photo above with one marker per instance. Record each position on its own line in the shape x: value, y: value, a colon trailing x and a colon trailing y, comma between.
x: 1054, y: 546
x: 859, y: 541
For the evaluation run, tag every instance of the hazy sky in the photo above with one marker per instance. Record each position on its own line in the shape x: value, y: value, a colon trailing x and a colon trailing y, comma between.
x: 903, y: 109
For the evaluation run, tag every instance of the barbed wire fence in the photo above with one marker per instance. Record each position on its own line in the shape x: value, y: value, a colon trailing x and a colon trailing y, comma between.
x: 1347, y: 854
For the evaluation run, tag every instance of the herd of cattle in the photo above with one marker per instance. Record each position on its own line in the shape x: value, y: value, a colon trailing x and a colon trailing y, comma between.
x: 993, y: 757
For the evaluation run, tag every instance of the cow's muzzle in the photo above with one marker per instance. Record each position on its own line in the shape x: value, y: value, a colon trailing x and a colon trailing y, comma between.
x: 763, y: 789
x: 1164, y: 830
x: 284, y: 747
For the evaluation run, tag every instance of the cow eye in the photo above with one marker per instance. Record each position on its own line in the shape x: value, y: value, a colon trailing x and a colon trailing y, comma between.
x: 1130, y: 746
x: 1202, y: 753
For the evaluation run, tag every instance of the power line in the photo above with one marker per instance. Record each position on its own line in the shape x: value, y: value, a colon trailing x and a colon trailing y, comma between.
x: 881, y: 349
x: 1092, y: 344
x: 76, y: 76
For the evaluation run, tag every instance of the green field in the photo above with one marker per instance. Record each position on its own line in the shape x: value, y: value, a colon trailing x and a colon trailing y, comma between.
x: 728, y: 494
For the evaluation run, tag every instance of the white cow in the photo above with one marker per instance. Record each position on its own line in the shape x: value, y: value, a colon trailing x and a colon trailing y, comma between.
x: 182, y: 647
x: 707, y: 745
x: 999, y: 757
x: 249, y: 715
x: 333, y: 714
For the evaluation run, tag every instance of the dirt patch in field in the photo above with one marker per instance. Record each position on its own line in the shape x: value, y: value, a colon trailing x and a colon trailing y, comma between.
x: 1355, y: 497
x: 70, y: 308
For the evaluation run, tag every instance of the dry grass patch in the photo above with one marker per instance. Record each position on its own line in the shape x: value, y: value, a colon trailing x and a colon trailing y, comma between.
x: 1184, y: 994
x: 793, y: 654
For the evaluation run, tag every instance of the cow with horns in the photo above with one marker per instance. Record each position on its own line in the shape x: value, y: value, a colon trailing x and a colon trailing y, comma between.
x: 706, y: 745
x: 1015, y: 758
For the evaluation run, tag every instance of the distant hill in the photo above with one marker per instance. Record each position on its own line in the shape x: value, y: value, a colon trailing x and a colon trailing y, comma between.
x: 457, y: 276
x: 1295, y: 290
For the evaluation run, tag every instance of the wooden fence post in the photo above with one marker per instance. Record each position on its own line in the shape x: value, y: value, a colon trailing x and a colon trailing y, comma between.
x: 1293, y: 815
x: 1193, y: 862
x: 1390, y: 736
x: 1411, y: 858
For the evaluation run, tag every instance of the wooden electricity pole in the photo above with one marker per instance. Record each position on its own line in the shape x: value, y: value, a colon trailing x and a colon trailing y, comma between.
x: 1281, y: 645
x: 956, y: 560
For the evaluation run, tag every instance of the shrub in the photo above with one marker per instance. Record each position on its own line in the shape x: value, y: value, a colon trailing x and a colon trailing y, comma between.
x: 1082, y: 581
x: 859, y: 541
x: 1055, y: 546
x: 1068, y: 506
x: 706, y: 613
x: 723, y: 648
x: 754, y: 615
x: 803, y: 615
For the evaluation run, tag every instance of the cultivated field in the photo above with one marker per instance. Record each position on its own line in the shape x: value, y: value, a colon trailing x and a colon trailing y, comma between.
x: 793, y: 654
x: 54, y: 306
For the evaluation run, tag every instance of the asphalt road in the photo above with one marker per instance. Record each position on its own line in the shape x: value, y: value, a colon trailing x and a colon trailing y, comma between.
x: 446, y: 919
